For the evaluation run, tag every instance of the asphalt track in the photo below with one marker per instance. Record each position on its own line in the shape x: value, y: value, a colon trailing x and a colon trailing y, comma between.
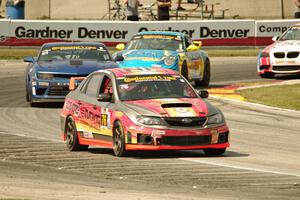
x: 262, y: 162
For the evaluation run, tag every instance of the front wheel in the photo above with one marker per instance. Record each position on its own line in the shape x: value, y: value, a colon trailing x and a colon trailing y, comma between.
x: 214, y: 152
x: 119, y: 140
x: 72, y: 138
x: 206, y: 76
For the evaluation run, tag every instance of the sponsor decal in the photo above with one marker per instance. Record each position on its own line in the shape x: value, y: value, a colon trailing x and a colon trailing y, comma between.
x: 61, y: 48
x: 158, y: 132
x: 181, y: 110
x: 149, y: 78
x: 206, y: 32
x: 185, y: 31
x: 82, y: 32
x: 88, y: 134
x: 272, y: 29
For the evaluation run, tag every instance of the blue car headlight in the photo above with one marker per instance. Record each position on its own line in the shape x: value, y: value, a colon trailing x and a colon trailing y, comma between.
x: 170, y: 60
x: 149, y: 120
x: 215, y: 119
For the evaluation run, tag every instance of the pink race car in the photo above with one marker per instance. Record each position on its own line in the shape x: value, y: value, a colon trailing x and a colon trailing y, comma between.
x: 141, y: 109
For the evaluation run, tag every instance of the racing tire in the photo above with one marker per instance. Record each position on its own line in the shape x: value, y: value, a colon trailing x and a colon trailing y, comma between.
x: 214, y: 152
x: 72, y: 141
x: 206, y: 77
x: 119, y: 140
x: 267, y: 75
x: 184, y: 70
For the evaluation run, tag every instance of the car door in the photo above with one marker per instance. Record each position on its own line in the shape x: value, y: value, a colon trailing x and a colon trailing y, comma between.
x: 194, y: 60
x: 96, y: 114
x: 89, y: 118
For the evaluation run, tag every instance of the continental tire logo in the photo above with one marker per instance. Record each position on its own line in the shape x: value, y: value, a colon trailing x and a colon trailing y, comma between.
x: 2, y: 38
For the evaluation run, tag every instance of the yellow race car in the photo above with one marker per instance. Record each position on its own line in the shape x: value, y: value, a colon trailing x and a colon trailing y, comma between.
x: 171, y: 50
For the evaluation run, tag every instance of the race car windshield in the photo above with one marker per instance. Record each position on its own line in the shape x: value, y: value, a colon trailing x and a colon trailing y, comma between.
x: 155, y: 43
x: 74, y: 52
x: 153, y: 87
x: 292, y: 34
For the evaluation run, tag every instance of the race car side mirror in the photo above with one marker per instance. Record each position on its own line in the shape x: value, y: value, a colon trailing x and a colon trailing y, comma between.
x: 120, y: 47
x: 192, y: 47
x: 203, y: 94
x: 119, y: 57
x: 74, y: 82
x: 104, y: 97
x: 29, y: 59
x: 198, y: 43
x: 275, y: 38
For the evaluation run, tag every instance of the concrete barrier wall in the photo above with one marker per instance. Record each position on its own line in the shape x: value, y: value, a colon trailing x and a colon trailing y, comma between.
x: 210, y: 32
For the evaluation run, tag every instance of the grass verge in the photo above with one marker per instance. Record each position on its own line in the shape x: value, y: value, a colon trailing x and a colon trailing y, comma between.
x: 20, y: 53
x: 283, y: 96
x: 14, y: 53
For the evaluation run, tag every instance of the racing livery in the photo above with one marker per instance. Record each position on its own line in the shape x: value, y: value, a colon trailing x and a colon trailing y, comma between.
x: 141, y: 109
x: 48, y: 75
x: 172, y: 50
x: 281, y: 57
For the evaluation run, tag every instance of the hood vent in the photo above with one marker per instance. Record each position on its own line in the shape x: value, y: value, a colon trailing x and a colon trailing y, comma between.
x: 176, y: 105
x: 76, y: 62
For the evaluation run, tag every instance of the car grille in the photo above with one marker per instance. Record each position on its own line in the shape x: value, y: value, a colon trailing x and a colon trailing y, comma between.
x: 279, y: 54
x: 286, y: 68
x: 186, y: 140
x: 68, y: 76
x: 292, y: 54
x: 185, y: 121
x: 58, y: 90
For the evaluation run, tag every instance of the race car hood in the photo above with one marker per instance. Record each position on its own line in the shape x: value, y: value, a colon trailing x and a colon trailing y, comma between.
x: 284, y: 46
x: 146, y: 58
x: 186, y: 107
x: 76, y: 67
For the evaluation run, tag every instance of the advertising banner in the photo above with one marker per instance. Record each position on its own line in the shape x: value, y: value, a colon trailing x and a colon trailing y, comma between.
x: 210, y: 32
x: 266, y: 29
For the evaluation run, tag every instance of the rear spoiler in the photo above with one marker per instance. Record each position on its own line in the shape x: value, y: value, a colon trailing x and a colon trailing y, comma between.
x: 74, y: 82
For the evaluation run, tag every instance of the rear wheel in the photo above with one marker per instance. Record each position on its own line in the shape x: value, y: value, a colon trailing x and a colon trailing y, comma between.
x: 184, y: 71
x: 267, y: 75
x: 206, y: 76
x: 72, y: 138
x: 119, y: 140
x: 214, y: 152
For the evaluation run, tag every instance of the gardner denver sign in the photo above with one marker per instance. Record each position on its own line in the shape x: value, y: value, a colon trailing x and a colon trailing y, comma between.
x: 210, y: 32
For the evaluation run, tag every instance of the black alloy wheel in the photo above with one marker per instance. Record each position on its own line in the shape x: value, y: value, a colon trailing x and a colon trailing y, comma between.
x: 119, y: 140
x: 71, y: 136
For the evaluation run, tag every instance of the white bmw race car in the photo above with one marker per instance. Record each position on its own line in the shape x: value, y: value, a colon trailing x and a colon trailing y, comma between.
x: 281, y: 57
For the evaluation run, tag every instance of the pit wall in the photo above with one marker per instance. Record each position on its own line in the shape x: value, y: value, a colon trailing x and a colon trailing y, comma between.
x: 211, y: 33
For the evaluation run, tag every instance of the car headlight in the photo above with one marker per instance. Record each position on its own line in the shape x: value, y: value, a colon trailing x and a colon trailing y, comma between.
x: 215, y: 119
x: 170, y: 60
x: 44, y: 76
x: 265, y: 55
x: 149, y: 120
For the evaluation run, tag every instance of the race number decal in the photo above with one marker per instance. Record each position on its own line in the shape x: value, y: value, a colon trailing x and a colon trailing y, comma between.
x: 105, y: 118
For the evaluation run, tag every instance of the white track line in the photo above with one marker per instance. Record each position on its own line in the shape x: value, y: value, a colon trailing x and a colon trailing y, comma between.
x: 238, y: 167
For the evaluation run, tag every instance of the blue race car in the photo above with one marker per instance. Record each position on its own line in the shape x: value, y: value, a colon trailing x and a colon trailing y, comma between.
x: 48, y: 75
x: 172, y: 50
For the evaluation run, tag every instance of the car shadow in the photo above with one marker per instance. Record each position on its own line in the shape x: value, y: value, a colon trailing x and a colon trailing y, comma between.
x: 287, y: 77
x: 165, y: 154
